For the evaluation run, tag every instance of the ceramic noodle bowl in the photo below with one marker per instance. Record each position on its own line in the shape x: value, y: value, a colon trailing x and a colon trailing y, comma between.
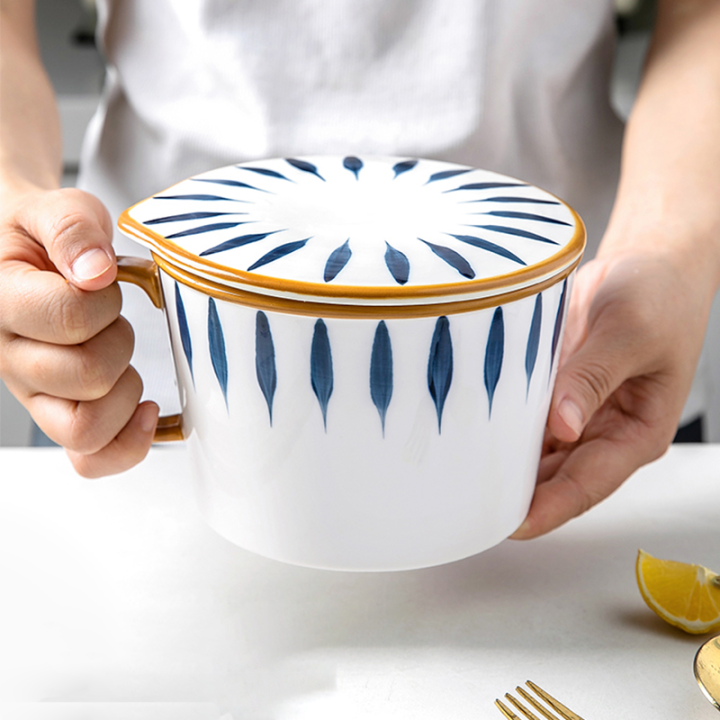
x: 365, y: 350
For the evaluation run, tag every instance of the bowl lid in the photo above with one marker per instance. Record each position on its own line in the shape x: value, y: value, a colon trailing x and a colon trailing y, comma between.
x: 360, y: 231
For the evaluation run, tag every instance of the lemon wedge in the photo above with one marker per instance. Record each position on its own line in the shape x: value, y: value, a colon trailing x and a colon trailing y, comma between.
x: 684, y: 595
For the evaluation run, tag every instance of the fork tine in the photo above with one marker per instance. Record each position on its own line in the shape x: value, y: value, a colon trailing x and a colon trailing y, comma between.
x: 506, y: 711
x: 564, y: 713
x: 543, y: 711
x: 556, y: 705
x: 527, y: 713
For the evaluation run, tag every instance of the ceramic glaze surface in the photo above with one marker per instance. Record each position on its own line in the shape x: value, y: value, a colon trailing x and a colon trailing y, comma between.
x: 363, y: 442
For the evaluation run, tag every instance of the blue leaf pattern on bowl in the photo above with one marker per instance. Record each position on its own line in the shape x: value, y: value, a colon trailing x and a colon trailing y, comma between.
x: 494, y: 355
x: 381, y: 371
x: 265, y: 360
x: 184, y: 330
x: 338, y: 259
x: 381, y: 376
x: 321, y: 367
x: 533, y: 342
x: 217, y: 348
x: 558, y: 325
x: 397, y: 263
x: 440, y: 366
x: 279, y: 252
x: 452, y: 258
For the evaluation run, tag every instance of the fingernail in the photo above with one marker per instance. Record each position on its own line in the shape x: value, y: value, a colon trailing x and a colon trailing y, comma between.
x: 148, y: 418
x: 91, y: 264
x: 571, y: 415
x: 521, y: 532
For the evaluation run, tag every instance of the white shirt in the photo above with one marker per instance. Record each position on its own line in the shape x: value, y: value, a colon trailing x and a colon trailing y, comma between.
x: 516, y: 86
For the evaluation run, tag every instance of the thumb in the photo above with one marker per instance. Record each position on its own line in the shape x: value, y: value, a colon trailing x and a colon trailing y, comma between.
x: 76, y: 231
x: 588, y: 378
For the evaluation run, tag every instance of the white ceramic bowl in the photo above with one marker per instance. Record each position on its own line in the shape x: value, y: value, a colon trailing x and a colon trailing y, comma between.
x: 365, y: 348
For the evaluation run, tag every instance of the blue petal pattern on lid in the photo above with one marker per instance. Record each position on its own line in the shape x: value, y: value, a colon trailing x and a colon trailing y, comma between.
x: 196, y: 196
x: 305, y: 166
x: 184, y: 330
x: 525, y: 216
x: 403, y: 166
x: 397, y: 263
x: 338, y: 259
x: 354, y: 165
x: 515, y: 199
x: 444, y: 174
x: 189, y: 216
x: 517, y: 232
x: 494, y: 352
x: 533, y: 342
x: 277, y: 253
x: 558, y: 325
x: 391, y: 203
x: 486, y: 186
x: 264, y: 171
x: 321, y: 367
x: 237, y: 242
x: 265, y: 360
x: 230, y: 183
x: 490, y: 247
x: 455, y: 259
x: 440, y: 366
x: 217, y: 348
x: 381, y: 371
x: 204, y: 229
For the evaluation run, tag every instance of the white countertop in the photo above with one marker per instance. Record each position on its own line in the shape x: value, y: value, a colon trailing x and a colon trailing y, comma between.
x: 117, y: 602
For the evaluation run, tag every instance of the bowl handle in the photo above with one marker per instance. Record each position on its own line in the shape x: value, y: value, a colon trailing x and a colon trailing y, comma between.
x: 144, y: 274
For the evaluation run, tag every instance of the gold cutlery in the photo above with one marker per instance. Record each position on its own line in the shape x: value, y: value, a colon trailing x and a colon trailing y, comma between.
x: 561, y: 712
x: 707, y: 670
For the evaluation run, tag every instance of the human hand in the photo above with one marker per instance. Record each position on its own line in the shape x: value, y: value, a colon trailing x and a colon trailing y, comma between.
x: 633, y: 337
x: 64, y: 348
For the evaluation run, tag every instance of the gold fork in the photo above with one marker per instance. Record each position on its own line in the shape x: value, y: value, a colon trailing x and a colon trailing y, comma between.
x: 563, y: 713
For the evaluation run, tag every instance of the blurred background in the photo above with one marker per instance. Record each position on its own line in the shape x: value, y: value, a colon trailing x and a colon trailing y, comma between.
x: 67, y: 40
